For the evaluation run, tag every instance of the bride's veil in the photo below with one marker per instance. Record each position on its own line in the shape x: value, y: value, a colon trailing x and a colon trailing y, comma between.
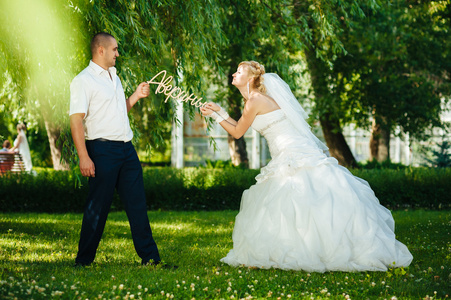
x: 281, y: 93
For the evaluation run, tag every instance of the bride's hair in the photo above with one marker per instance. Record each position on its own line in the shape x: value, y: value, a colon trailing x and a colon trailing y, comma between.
x: 256, y: 70
x: 21, y: 126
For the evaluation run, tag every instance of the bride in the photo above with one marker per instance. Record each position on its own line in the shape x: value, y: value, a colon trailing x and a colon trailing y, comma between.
x: 305, y: 212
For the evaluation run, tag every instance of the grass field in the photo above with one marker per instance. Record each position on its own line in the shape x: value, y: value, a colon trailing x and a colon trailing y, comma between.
x: 37, y: 254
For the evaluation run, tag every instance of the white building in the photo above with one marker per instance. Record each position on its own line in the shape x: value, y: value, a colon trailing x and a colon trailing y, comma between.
x: 192, y: 144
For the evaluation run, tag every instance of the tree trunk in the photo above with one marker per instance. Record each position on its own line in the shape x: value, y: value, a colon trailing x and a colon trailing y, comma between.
x: 336, y: 142
x: 379, y: 142
x: 330, y: 124
x: 238, y: 153
x: 53, y: 134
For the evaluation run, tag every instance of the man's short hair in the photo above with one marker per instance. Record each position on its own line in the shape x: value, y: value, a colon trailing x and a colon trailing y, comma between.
x: 99, y: 39
x: 6, y: 144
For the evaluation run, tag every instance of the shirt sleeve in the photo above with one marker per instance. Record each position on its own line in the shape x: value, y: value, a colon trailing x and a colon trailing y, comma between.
x: 79, y: 100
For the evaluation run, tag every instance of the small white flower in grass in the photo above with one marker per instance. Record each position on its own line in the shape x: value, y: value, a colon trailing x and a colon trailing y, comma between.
x: 132, y: 296
x: 53, y: 278
x: 168, y: 295
x: 178, y: 285
x: 162, y: 293
x: 206, y: 289
x: 229, y: 289
x: 73, y: 287
x: 383, y: 282
x: 239, y: 271
x: 226, y: 273
x: 140, y: 287
x: 232, y: 297
x: 146, y: 289
x: 114, y: 287
x: 394, y: 298
x: 217, y: 273
x: 289, y: 296
x: 121, y: 286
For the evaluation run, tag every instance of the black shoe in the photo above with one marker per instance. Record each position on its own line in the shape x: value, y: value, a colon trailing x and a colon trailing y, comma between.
x: 81, y: 265
x: 159, y: 264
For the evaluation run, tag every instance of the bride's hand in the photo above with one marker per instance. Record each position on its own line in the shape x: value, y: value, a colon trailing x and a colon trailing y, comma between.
x: 206, y: 112
x: 213, y: 106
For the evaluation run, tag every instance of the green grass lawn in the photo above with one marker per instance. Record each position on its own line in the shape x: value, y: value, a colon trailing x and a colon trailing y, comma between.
x: 37, y: 253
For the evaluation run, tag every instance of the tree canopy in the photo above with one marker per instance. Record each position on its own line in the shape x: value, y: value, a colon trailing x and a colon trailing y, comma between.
x: 365, y: 58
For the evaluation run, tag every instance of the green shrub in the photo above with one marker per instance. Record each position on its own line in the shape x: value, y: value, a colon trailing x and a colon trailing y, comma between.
x: 211, y: 189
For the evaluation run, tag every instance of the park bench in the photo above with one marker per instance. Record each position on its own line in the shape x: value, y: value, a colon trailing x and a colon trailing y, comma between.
x: 11, y: 162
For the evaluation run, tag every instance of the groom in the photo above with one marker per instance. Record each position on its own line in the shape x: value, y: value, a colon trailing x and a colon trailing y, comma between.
x: 102, y: 135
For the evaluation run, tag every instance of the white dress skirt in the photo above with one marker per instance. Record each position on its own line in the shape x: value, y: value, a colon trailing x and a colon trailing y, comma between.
x: 308, y: 213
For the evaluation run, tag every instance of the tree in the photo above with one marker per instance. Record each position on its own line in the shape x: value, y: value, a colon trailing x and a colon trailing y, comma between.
x: 276, y: 33
x: 396, y: 71
x: 179, y: 36
x: 36, y: 41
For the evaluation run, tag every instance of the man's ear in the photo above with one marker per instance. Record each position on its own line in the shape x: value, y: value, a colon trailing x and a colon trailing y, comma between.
x: 100, y: 50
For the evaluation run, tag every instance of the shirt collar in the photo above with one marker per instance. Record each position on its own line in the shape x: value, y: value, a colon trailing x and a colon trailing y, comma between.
x: 98, y: 69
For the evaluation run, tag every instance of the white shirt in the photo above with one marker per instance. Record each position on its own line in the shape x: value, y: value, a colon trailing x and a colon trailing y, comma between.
x: 102, y: 100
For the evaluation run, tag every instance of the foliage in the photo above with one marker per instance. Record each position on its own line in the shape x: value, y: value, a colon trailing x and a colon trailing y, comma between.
x: 220, y: 164
x: 440, y: 157
x: 397, y: 67
x: 37, y: 252
x: 211, y: 189
x: 387, y: 164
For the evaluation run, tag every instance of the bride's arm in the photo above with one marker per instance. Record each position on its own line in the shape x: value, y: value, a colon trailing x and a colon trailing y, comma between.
x: 216, y: 108
x: 19, y: 140
x: 238, y: 129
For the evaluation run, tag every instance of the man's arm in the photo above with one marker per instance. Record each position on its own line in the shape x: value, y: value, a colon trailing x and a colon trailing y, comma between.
x: 87, y: 167
x: 142, y: 91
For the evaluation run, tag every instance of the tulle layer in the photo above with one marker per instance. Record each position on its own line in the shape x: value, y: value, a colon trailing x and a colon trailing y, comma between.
x: 314, y: 215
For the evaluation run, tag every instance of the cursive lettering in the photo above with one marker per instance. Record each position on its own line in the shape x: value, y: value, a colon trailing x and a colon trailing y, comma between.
x: 173, y: 91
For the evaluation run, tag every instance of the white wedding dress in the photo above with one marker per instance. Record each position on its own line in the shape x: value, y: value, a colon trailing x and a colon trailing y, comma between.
x: 308, y: 213
x: 24, y: 150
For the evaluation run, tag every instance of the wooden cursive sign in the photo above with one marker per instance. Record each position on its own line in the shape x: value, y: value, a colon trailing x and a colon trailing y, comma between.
x: 173, y: 91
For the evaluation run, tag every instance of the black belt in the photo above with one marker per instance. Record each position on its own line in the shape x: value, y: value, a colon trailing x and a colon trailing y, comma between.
x: 105, y: 140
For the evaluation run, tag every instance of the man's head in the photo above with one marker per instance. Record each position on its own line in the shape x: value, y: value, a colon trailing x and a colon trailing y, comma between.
x: 104, y: 50
x: 6, y: 144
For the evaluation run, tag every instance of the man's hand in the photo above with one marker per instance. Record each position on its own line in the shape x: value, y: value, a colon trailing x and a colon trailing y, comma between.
x: 87, y: 167
x: 143, y: 90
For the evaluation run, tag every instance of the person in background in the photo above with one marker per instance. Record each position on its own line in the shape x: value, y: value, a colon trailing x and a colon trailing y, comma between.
x: 6, y: 146
x: 21, y: 146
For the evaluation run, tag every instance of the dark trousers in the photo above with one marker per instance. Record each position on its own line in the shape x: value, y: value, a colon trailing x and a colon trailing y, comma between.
x: 116, y: 167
